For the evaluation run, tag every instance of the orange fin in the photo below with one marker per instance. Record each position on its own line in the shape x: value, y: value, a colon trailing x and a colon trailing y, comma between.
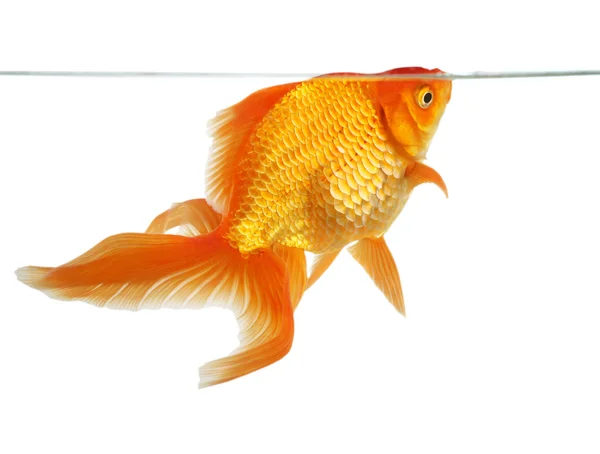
x: 135, y: 271
x: 230, y: 130
x: 376, y: 258
x: 295, y: 265
x: 193, y: 217
x: 320, y: 265
x: 418, y: 173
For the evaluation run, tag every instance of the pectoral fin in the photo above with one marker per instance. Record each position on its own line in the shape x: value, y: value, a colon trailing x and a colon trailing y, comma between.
x: 375, y: 257
x: 418, y: 173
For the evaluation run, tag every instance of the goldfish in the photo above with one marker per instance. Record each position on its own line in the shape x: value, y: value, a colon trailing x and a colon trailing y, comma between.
x: 313, y: 166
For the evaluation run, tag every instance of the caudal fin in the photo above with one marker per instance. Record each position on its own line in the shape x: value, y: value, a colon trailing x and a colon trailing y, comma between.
x: 196, y: 217
x: 193, y: 217
x: 135, y: 271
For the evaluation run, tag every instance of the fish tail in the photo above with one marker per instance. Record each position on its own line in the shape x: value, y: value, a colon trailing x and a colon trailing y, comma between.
x: 193, y: 217
x: 142, y: 270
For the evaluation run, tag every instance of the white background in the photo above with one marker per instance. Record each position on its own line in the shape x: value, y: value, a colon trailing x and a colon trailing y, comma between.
x: 500, y: 350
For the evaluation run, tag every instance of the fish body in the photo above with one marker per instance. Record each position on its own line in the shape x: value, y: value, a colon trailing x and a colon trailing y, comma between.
x: 319, y: 170
x: 310, y: 166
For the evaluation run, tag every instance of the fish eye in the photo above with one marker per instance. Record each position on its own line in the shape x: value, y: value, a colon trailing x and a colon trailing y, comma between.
x: 425, y: 97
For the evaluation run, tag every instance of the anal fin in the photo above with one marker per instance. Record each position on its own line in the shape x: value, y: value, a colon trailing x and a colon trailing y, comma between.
x: 294, y: 260
x: 320, y: 264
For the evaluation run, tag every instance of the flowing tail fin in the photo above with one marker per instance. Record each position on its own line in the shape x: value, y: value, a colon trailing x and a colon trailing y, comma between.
x: 135, y: 271
x: 196, y: 217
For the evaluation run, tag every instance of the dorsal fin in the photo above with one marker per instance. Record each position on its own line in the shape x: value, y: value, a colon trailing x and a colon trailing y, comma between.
x: 230, y: 129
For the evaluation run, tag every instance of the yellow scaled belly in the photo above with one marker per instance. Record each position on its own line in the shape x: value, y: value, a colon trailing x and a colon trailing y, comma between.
x: 317, y: 172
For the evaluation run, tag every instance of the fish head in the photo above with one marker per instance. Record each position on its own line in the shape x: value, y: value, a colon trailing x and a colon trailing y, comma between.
x: 412, y: 108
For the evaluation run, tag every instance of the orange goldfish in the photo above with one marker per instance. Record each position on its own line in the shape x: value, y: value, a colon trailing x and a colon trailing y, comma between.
x: 307, y: 166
